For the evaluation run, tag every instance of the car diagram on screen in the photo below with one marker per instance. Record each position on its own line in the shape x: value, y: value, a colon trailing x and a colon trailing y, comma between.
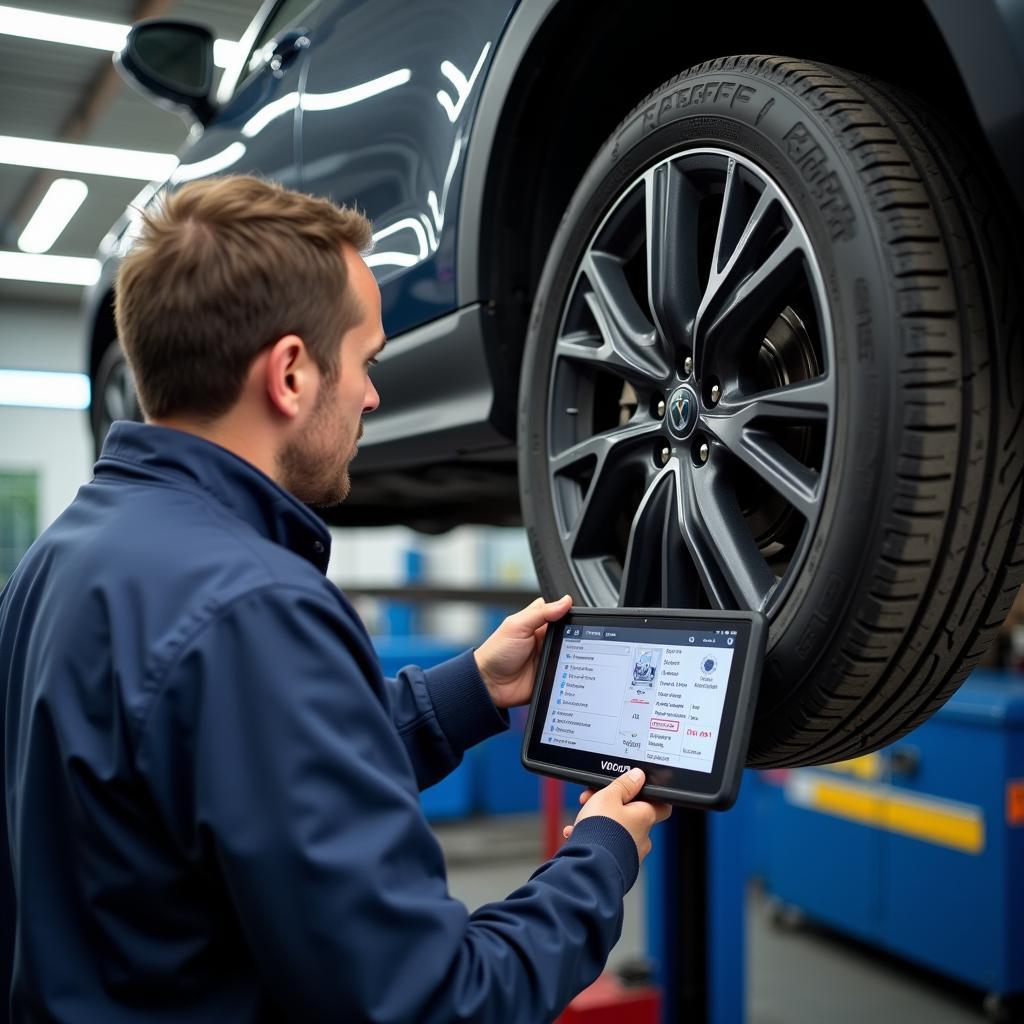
x: 645, y: 668
x: 634, y: 720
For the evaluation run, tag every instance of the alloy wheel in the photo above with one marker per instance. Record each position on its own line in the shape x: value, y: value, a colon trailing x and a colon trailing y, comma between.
x: 692, y: 403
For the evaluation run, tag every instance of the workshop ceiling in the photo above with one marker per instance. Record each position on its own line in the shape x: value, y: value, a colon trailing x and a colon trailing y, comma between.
x: 68, y: 93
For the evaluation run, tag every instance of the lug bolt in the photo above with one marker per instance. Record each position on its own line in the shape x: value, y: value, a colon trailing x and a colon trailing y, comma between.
x: 716, y: 394
x: 704, y: 453
x: 688, y: 366
x: 661, y: 409
x: 663, y: 455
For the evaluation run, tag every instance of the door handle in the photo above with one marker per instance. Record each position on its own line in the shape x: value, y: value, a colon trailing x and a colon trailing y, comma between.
x: 286, y: 47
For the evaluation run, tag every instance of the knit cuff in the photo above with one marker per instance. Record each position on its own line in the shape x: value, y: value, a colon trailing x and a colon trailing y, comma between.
x: 463, y: 706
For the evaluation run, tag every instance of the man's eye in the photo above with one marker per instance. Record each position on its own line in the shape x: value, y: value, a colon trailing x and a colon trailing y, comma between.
x: 372, y: 362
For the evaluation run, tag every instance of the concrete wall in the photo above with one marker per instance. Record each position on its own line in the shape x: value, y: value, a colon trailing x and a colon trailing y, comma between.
x: 41, y: 336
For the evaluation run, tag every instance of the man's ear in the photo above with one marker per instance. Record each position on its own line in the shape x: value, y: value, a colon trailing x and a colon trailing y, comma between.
x: 289, y: 375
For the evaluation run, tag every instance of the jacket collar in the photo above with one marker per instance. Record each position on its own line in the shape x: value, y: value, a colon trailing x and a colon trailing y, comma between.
x: 146, y: 451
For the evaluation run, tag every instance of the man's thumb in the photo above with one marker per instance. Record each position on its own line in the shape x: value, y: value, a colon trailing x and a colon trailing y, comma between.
x: 538, y: 612
x: 631, y: 783
x: 557, y: 607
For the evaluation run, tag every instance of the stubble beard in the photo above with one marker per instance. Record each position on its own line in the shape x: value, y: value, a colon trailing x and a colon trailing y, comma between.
x: 314, y: 467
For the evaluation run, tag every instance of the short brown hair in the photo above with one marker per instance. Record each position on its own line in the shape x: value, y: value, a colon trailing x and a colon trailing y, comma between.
x: 221, y: 269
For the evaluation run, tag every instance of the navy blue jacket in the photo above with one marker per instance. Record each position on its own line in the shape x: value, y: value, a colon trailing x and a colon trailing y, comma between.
x: 211, y: 791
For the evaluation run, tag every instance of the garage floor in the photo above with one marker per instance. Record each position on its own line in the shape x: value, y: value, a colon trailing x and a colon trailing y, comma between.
x: 802, y: 975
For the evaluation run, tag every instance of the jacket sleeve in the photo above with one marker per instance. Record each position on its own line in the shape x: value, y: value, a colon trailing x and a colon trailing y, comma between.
x: 440, y: 713
x: 277, y: 767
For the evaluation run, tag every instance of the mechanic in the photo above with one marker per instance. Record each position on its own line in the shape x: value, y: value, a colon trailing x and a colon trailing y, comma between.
x: 211, y: 791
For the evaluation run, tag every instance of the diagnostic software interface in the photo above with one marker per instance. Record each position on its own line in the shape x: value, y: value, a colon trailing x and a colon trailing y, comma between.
x: 625, y: 691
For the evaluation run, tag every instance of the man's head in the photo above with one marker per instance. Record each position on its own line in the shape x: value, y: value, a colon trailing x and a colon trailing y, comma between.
x: 248, y: 316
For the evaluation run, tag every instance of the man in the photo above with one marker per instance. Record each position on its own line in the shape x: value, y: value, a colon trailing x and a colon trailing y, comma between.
x: 211, y: 792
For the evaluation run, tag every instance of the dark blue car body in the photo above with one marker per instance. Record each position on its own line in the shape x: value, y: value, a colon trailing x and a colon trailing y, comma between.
x: 462, y: 128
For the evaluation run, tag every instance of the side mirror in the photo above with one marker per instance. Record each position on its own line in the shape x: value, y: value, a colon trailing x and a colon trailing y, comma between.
x: 171, y: 63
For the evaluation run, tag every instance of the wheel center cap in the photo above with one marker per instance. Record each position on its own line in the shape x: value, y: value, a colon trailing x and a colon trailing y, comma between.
x: 682, y: 411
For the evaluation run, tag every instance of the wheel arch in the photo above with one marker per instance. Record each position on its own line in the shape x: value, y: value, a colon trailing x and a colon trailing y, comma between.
x: 563, y: 78
x: 102, y: 329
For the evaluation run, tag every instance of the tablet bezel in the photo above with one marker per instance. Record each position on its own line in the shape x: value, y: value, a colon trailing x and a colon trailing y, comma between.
x: 716, y: 789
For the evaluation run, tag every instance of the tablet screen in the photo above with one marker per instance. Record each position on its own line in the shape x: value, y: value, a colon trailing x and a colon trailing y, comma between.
x: 625, y: 692
x: 670, y: 691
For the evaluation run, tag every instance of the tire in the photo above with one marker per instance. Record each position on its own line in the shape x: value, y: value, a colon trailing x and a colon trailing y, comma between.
x: 862, y: 457
x: 113, y: 394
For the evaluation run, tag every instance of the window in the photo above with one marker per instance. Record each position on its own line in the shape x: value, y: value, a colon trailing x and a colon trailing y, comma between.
x: 19, y: 518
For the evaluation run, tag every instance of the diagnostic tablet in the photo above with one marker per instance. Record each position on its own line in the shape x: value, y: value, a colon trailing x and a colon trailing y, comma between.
x: 672, y: 692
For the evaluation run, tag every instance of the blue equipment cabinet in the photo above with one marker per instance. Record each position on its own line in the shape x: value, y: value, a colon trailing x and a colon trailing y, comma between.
x: 454, y: 796
x: 918, y: 849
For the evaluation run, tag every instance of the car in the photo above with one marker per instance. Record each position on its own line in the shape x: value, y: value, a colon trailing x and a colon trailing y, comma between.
x: 722, y: 301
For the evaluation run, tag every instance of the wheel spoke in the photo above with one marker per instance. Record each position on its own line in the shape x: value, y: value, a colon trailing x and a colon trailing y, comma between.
x: 645, y: 549
x: 805, y: 403
x: 584, y: 347
x: 783, y: 472
x: 611, y: 450
x: 657, y: 571
x: 731, y: 221
x: 630, y: 345
x: 760, y: 291
x: 751, y: 281
x: 605, y: 445
x: 732, y: 424
x: 732, y: 569
x: 673, y: 287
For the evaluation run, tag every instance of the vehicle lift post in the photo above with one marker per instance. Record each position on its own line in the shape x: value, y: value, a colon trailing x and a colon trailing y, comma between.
x: 695, y: 922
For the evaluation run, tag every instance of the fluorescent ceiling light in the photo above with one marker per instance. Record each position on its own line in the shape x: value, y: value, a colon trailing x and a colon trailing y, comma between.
x: 55, y: 210
x: 29, y: 266
x: 44, y: 390
x: 98, y: 35
x: 58, y: 28
x: 81, y: 159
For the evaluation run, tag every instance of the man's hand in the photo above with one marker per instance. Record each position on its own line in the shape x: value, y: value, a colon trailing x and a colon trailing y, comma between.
x: 618, y: 801
x: 508, y: 658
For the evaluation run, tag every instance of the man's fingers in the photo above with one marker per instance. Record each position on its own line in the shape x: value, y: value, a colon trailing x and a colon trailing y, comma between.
x: 661, y: 810
x: 585, y: 796
x: 567, y: 831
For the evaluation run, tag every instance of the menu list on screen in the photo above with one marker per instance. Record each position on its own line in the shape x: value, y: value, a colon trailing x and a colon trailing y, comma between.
x: 627, y: 693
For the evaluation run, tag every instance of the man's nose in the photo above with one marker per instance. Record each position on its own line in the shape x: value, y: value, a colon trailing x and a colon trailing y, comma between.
x: 372, y: 398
